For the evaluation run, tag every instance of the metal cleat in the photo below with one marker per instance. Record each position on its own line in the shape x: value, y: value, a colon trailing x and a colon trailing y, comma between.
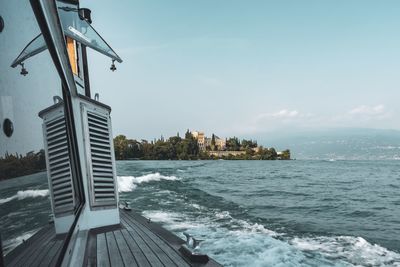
x: 191, y: 241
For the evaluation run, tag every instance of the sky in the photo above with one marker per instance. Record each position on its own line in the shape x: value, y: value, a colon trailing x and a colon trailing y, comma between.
x: 248, y: 68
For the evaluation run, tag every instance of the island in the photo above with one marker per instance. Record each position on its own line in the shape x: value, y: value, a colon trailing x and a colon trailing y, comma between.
x: 194, y: 145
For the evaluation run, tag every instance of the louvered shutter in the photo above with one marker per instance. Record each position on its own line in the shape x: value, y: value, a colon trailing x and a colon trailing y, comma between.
x: 58, y: 165
x: 100, y: 154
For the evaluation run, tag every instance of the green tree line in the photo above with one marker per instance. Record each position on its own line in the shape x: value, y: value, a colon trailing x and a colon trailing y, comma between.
x: 177, y: 148
x: 174, y: 148
x: 15, y: 165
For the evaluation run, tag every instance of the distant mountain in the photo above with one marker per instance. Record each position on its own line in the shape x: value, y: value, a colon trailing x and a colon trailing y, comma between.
x: 360, y: 144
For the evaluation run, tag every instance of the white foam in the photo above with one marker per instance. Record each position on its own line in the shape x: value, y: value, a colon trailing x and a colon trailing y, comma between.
x: 197, y: 206
x: 241, y: 243
x: 4, y: 200
x: 161, y: 216
x: 257, y: 228
x: 248, y: 246
x: 126, y: 184
x: 246, y: 226
x: 223, y: 215
x: 238, y: 248
x: 25, y: 194
x: 354, y: 250
x: 175, y: 221
x: 129, y: 183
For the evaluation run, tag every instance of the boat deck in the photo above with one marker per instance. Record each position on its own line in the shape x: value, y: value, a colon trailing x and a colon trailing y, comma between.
x: 135, y: 242
x: 42, y: 249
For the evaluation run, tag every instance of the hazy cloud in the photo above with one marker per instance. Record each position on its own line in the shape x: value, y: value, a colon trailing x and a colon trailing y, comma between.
x: 368, y: 110
x: 284, y: 113
x: 271, y: 121
x: 359, y: 116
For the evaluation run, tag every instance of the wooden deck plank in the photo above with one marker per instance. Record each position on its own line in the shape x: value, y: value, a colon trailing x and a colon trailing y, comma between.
x: 172, y: 239
x: 168, y: 250
x: 53, y: 262
x: 91, y: 250
x: 19, y: 250
x: 102, y: 251
x: 126, y: 253
x: 113, y: 251
x: 140, y: 244
x: 41, y: 254
x: 153, y: 246
x: 35, y: 246
x: 147, y: 251
x: 136, y: 251
x: 169, y: 238
x: 49, y: 260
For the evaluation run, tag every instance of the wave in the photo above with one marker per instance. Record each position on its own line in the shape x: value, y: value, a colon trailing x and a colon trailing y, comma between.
x: 354, y: 250
x: 129, y: 183
x: 230, y: 241
x: 235, y: 242
x: 26, y: 194
x: 176, y: 221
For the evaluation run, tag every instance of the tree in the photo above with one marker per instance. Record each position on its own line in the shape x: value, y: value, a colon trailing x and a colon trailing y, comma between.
x: 188, y: 134
x: 285, y: 154
x: 213, y: 142
x: 18, y: 165
x: 135, y: 150
x: 121, y: 147
x: 248, y: 144
x: 233, y: 144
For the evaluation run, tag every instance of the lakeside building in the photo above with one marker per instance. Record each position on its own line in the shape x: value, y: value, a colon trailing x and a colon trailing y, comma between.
x: 205, y: 142
x: 220, y: 143
x: 201, y: 139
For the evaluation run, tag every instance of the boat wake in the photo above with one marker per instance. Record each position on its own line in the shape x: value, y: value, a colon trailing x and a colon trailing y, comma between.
x: 355, y: 250
x: 235, y: 242
x: 129, y: 183
x: 26, y: 194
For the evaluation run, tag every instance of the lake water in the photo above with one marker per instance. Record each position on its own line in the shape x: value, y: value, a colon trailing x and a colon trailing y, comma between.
x: 249, y: 213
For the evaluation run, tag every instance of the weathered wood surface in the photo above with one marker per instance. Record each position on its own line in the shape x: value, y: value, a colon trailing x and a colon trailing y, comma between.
x: 42, y: 249
x: 134, y: 245
x: 135, y: 242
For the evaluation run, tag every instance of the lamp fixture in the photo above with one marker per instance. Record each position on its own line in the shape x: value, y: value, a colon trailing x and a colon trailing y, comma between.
x: 23, y: 72
x: 113, y: 68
